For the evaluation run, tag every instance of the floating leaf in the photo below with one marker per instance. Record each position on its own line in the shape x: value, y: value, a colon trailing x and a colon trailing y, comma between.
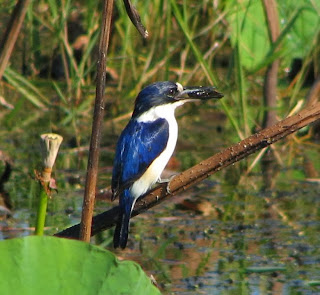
x: 263, y: 269
x: 49, y: 265
x: 313, y: 283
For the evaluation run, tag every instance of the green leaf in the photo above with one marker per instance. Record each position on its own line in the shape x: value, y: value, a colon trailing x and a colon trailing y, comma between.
x: 299, y: 24
x: 263, y: 269
x: 307, y: 25
x: 248, y: 31
x: 25, y: 88
x: 49, y: 265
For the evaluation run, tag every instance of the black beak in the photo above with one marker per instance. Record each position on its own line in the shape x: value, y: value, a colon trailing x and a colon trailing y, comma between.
x: 198, y: 92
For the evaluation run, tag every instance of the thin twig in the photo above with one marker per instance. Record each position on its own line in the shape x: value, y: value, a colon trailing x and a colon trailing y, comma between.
x: 135, y: 18
x: 11, y: 34
x: 92, y: 170
x: 206, y: 168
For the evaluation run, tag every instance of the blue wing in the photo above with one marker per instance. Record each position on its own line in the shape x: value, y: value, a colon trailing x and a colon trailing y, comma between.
x: 139, y: 144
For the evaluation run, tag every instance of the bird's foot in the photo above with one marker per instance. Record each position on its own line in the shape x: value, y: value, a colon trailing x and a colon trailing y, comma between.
x: 167, y: 181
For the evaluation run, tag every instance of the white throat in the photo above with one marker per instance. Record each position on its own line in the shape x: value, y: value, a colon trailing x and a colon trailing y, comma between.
x: 165, y: 111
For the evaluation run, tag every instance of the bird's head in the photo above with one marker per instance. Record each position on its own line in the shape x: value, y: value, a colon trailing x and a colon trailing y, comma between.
x: 162, y: 93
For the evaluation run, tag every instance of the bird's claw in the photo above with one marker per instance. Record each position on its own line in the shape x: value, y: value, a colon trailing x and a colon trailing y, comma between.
x: 167, y: 181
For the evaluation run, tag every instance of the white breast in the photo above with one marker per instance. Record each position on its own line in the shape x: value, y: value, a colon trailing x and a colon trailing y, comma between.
x: 154, y: 171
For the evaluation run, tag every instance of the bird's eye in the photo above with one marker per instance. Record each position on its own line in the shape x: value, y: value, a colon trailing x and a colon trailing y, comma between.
x: 172, y: 92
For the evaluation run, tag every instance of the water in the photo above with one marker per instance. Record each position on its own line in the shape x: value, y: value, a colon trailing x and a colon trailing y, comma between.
x: 235, y: 233
x: 215, y: 239
x: 249, y: 247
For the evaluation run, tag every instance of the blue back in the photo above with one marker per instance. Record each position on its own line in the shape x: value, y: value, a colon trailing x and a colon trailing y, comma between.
x: 139, y: 144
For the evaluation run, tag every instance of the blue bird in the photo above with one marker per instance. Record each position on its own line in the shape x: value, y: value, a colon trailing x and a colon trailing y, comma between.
x: 146, y: 145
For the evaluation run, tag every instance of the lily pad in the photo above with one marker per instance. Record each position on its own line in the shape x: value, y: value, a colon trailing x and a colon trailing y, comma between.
x: 49, y: 265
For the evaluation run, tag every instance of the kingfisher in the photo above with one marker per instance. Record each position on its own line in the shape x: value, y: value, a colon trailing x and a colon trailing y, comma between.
x: 146, y: 145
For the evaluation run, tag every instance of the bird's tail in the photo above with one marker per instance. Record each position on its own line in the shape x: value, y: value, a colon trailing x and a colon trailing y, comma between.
x: 121, y: 232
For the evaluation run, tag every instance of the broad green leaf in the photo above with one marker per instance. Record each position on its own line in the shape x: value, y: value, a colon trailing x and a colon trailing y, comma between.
x: 299, y: 20
x: 301, y: 36
x: 248, y: 31
x: 49, y: 265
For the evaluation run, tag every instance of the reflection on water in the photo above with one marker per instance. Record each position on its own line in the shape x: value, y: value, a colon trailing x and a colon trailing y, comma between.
x: 258, y: 244
x: 232, y: 234
x: 245, y: 241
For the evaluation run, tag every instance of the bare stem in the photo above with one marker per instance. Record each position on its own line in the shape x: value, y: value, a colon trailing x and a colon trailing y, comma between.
x: 93, y: 160
x: 271, y: 77
x: 11, y: 35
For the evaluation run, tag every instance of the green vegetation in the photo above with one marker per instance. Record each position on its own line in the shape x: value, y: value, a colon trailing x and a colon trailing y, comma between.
x: 52, y: 265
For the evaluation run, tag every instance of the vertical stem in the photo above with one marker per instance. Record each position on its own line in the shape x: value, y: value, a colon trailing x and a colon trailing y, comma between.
x: 271, y: 77
x: 92, y: 170
x: 167, y: 31
x: 42, y: 210
x: 11, y: 35
x: 49, y: 143
x: 241, y: 80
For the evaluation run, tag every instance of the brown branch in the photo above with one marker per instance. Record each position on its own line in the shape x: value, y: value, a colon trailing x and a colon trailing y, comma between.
x: 135, y: 18
x: 206, y: 168
x: 93, y: 160
x: 11, y: 34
